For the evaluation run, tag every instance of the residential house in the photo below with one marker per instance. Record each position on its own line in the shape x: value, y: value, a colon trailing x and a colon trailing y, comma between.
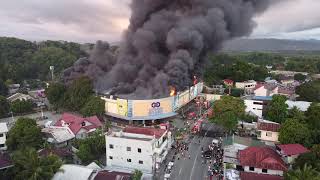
x: 265, y: 89
x: 247, y: 86
x: 268, y: 131
x: 290, y: 152
x: 19, y: 96
x: 228, y: 82
x: 137, y: 148
x: 285, y: 80
x: 81, y: 127
x: 3, y: 136
x: 261, y: 161
x: 58, y: 136
x: 64, y: 153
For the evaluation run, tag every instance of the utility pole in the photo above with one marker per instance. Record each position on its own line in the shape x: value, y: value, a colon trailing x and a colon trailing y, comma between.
x: 52, y: 72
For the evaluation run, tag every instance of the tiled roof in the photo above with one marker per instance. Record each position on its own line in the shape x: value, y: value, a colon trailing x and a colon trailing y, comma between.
x: 145, y: 131
x: 261, y: 157
x: 259, y: 85
x: 292, y: 149
x: 229, y: 81
x: 76, y: 122
x: 112, y: 175
x: 274, y: 127
x: 5, y: 161
x: 61, y: 152
x: 255, y: 176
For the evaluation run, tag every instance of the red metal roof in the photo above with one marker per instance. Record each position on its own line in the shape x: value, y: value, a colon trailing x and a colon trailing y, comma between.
x: 292, y: 149
x: 258, y: 86
x: 112, y: 175
x: 229, y: 81
x: 261, y: 157
x: 145, y: 131
x: 255, y: 176
x: 274, y: 127
x: 76, y: 122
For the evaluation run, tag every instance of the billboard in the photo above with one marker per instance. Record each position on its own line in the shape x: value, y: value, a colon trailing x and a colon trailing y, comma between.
x: 184, y: 98
x: 122, y: 105
x: 152, y: 108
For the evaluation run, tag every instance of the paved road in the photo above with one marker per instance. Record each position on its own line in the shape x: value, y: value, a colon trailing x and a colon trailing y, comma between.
x: 193, y: 168
x: 51, y: 117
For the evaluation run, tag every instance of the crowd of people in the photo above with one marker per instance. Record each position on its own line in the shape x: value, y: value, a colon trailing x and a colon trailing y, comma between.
x: 215, y: 160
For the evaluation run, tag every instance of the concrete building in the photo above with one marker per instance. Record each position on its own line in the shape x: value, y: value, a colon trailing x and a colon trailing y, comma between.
x: 19, y: 96
x: 268, y: 131
x: 254, y: 107
x: 265, y: 89
x: 137, y: 148
x: 248, y: 86
x: 3, y: 136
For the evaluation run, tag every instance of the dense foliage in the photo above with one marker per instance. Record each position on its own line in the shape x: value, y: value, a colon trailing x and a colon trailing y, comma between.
x: 55, y: 94
x: 21, y: 106
x: 309, y: 91
x: 227, y: 111
x: 94, y: 106
x: 292, y: 131
x: 25, y: 133
x: 4, y: 106
x: 21, y: 60
x: 91, y: 148
x: 3, y: 88
x: 277, y: 110
x: 28, y: 165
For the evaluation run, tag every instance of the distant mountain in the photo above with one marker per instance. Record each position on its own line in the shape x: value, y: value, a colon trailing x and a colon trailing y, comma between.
x: 271, y: 45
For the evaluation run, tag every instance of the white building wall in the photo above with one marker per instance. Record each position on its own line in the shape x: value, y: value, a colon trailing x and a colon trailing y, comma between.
x: 3, y: 141
x: 259, y: 171
x: 82, y: 133
x: 273, y: 138
x: 254, y: 106
x: 120, y: 154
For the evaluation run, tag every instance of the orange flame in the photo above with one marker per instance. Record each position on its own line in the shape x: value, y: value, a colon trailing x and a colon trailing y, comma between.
x: 172, y: 91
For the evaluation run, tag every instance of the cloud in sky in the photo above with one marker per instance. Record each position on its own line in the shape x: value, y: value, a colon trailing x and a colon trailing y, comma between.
x: 91, y: 20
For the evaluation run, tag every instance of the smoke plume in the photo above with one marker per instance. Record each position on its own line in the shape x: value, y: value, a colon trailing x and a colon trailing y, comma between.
x: 166, y: 45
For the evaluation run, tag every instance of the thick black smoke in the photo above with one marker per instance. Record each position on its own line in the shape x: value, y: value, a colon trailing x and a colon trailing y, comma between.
x: 166, y: 44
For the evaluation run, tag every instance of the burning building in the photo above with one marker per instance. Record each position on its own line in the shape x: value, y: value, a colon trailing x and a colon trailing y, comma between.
x: 165, y: 45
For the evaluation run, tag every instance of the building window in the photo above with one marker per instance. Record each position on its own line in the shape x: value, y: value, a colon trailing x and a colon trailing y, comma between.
x: 251, y: 168
x: 140, y: 162
x: 269, y: 134
x: 128, y: 160
x: 111, y: 146
x: 139, y: 150
x: 1, y: 145
x: 110, y: 157
x: 265, y: 170
x: 1, y: 135
x: 128, y: 148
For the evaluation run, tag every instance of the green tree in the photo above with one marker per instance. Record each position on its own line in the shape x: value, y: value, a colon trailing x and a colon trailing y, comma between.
x: 277, y: 110
x: 78, y: 93
x: 292, y: 131
x: 300, y: 77
x: 94, y: 106
x: 309, y: 91
x: 136, y: 175
x: 23, y: 106
x: 55, y: 94
x: 24, y: 133
x: 307, y: 172
x: 28, y: 165
x: 313, y: 116
x: 236, y: 92
x: 91, y: 148
x: 4, y: 106
x: 3, y: 89
x: 295, y: 113
x: 226, y: 112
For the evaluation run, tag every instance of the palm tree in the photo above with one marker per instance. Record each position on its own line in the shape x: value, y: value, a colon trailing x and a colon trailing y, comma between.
x: 307, y: 172
x: 28, y: 165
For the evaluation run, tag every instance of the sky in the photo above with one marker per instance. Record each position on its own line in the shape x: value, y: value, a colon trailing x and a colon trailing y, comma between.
x: 92, y: 20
